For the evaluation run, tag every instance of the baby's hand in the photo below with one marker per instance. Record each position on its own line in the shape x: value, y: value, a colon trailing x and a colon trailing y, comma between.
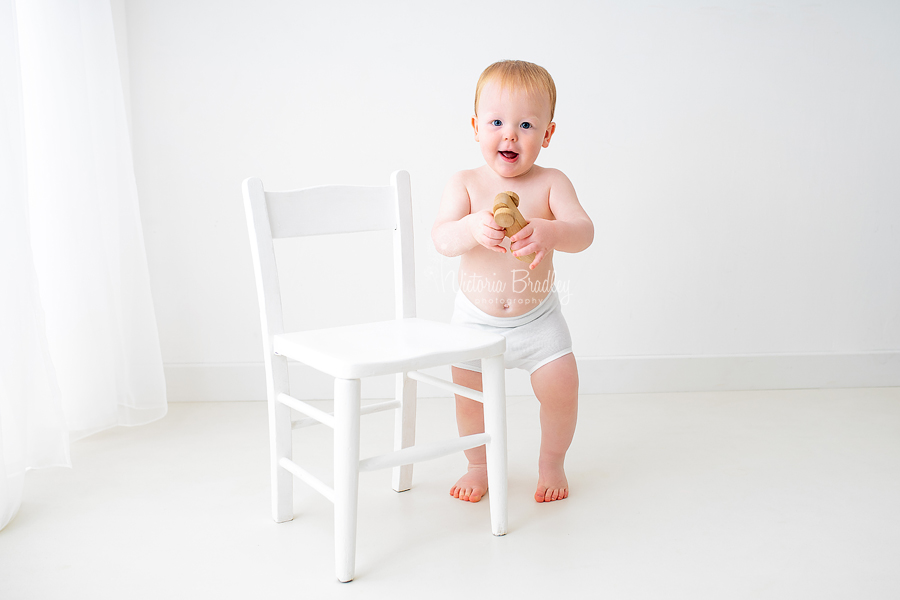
x: 538, y: 237
x: 486, y: 231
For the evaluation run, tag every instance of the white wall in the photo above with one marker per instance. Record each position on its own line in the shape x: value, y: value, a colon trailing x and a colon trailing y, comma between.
x: 739, y: 161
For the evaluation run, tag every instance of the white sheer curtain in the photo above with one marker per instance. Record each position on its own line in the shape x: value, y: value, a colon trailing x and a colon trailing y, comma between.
x: 32, y: 430
x: 97, y: 339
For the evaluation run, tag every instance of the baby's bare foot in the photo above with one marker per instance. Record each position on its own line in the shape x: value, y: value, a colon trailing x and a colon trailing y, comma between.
x: 471, y: 486
x: 552, y: 484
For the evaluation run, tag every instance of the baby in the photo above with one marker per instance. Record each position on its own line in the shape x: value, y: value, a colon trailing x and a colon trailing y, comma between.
x: 514, y: 105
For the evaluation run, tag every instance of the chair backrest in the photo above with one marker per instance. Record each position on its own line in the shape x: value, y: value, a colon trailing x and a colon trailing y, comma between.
x: 325, y: 210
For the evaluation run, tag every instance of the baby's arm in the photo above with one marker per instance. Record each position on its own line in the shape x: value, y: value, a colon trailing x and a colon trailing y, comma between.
x: 571, y: 231
x: 457, y: 230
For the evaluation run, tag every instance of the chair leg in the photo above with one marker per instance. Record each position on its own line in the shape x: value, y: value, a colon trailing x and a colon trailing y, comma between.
x: 346, y: 475
x: 404, y: 429
x: 280, y: 441
x: 494, y: 382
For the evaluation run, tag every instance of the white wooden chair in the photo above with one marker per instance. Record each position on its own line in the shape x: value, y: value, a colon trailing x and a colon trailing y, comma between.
x: 401, y: 346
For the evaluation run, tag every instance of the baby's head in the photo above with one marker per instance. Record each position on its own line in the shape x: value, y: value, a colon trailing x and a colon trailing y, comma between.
x: 514, y: 105
x: 519, y: 76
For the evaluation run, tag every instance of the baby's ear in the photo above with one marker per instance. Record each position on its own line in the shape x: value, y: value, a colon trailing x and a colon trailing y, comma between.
x: 551, y: 129
x: 475, y: 126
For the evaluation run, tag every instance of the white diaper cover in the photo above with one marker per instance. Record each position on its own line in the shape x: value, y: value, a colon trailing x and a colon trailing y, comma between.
x: 532, y: 340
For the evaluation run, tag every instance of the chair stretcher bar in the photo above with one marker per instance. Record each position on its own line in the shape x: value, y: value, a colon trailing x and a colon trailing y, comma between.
x: 363, y: 410
x: 406, y: 456
x: 421, y: 452
x: 307, y: 478
x: 446, y: 385
x: 307, y: 409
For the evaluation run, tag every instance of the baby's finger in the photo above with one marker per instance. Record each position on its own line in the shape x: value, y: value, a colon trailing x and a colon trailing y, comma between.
x: 520, y: 246
x: 497, y: 234
x: 523, y: 249
x: 538, y: 257
x: 523, y: 233
x: 493, y: 240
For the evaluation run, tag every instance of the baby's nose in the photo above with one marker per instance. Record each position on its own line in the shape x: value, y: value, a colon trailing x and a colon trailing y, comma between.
x: 510, y: 135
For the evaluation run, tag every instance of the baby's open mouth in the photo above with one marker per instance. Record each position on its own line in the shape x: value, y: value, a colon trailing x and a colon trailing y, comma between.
x: 509, y: 155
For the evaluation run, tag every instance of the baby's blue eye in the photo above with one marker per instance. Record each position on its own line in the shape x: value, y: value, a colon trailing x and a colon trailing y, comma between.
x: 526, y: 125
x: 496, y: 123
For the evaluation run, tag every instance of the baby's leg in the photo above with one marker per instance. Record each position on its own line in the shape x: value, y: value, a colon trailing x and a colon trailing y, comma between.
x: 556, y: 387
x: 469, y: 420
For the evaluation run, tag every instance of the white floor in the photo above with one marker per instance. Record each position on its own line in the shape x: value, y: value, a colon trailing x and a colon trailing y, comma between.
x: 732, y: 495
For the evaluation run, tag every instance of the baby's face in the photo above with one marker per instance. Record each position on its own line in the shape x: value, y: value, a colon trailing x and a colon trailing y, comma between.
x: 511, y: 127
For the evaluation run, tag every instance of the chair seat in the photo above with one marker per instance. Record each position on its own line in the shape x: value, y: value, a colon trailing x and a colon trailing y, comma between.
x: 381, y: 348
